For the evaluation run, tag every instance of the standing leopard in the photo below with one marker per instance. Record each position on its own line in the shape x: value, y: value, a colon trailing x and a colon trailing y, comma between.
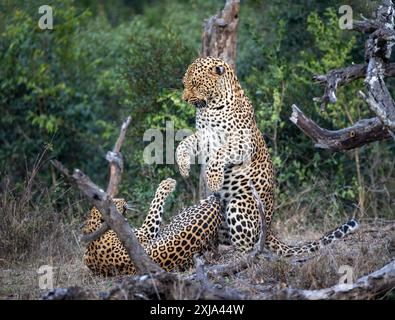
x: 229, y: 142
x: 193, y: 230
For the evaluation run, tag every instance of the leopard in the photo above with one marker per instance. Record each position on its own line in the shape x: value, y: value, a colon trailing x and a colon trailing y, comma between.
x: 236, y: 159
x: 192, y: 231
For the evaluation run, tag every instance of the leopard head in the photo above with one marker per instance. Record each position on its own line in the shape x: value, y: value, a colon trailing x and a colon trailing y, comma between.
x: 95, y: 219
x: 210, y: 82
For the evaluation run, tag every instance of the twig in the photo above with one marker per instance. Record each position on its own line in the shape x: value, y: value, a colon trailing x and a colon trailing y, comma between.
x: 261, y: 209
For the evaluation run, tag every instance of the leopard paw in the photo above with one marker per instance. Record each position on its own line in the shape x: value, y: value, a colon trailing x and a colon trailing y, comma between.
x: 167, y: 186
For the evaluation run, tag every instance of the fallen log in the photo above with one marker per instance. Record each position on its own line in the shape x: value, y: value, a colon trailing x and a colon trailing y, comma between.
x: 367, y: 287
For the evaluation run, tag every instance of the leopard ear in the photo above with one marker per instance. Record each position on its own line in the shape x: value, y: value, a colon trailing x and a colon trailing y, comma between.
x: 219, y: 70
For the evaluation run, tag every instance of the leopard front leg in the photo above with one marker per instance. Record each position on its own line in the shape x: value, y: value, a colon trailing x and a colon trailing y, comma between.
x: 185, y: 151
x: 235, y: 152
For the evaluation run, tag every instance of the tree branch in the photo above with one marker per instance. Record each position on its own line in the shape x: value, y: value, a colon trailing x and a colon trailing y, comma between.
x: 365, y: 287
x: 116, y: 161
x: 366, y: 26
x: 116, y: 168
x: 260, y: 246
x: 378, y: 51
x: 342, y: 76
x: 377, y: 54
x: 362, y: 132
x: 208, y: 288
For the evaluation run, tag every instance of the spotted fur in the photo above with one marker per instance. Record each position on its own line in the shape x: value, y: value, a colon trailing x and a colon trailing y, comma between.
x: 228, y: 140
x: 191, y: 231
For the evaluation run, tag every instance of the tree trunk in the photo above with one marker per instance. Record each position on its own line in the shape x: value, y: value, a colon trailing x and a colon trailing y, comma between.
x: 219, y: 40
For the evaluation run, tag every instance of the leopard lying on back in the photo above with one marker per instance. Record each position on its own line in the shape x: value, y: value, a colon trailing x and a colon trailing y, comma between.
x: 193, y: 230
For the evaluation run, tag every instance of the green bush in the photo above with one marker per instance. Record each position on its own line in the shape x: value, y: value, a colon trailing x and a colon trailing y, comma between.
x: 68, y: 90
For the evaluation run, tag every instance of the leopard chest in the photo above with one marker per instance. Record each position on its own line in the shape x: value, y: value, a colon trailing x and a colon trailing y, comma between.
x: 214, y: 131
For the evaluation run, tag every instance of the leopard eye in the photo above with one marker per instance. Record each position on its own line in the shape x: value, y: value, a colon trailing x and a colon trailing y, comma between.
x: 219, y: 70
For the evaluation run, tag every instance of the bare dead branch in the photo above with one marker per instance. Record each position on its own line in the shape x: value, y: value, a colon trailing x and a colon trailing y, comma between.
x: 208, y: 288
x: 378, y: 97
x: 366, y: 287
x: 359, y: 134
x: 117, y: 223
x: 200, y: 274
x: 339, y: 77
x: 378, y: 50
x: 377, y: 53
x: 116, y: 161
x: 366, y: 26
x: 121, y: 138
x: 383, y: 16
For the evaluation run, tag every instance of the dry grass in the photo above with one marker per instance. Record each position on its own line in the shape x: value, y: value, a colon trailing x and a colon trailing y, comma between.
x: 366, y: 251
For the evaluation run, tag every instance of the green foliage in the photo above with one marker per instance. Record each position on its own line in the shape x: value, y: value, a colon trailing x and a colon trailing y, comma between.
x: 45, y: 86
x: 67, y: 91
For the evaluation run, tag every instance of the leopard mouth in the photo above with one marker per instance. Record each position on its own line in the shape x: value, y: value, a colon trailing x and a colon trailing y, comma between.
x: 200, y: 104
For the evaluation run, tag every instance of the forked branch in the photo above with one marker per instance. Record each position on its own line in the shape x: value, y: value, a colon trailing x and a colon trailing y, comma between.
x: 377, y: 54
